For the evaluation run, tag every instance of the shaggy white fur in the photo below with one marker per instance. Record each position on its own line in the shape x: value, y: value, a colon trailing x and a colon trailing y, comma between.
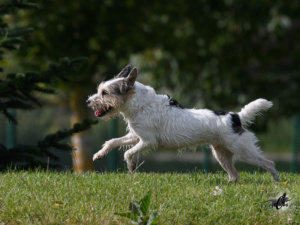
x: 154, y: 121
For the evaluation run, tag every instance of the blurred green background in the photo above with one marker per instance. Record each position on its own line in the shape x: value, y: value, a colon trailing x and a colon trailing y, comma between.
x: 212, y: 54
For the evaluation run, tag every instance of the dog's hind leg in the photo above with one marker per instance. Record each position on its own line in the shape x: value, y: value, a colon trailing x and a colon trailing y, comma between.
x: 225, y: 158
x: 258, y: 160
x: 249, y: 152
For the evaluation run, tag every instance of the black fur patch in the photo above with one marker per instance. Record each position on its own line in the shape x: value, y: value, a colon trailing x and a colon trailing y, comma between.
x: 220, y: 112
x: 236, y: 123
x: 173, y: 102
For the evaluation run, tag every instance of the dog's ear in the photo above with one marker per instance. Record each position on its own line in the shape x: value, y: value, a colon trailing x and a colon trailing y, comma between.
x: 131, y: 77
x: 124, y: 72
x: 128, y: 83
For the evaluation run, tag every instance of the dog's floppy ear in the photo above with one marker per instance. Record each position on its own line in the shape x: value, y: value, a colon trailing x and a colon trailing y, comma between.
x: 128, y: 83
x: 124, y: 72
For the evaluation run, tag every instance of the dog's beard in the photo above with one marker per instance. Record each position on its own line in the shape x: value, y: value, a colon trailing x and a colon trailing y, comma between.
x: 106, y: 108
x: 104, y: 112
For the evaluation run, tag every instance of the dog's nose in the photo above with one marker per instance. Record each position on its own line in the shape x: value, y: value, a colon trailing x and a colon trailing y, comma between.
x: 88, y: 101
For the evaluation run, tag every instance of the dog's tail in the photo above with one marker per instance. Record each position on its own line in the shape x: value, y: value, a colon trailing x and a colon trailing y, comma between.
x: 253, y: 109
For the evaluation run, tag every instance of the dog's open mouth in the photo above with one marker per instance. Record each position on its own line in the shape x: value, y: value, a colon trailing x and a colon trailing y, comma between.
x: 102, y: 112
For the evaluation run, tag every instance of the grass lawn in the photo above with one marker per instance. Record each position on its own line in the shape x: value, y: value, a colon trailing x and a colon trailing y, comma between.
x: 195, y: 198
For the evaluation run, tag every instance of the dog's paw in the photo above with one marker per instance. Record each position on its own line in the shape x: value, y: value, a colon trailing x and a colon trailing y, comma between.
x: 98, y: 156
x: 132, y: 167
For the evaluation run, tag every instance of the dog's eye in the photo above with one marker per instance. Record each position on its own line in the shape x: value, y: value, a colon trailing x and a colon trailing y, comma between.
x: 104, y: 92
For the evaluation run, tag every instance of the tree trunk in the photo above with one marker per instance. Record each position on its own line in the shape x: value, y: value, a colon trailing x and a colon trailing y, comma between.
x: 83, y: 154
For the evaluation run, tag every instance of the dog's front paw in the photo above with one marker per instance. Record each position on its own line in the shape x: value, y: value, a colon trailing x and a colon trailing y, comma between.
x: 98, y: 155
x: 132, y: 167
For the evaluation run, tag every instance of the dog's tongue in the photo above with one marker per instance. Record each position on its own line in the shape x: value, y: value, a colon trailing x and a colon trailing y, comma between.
x: 98, y: 112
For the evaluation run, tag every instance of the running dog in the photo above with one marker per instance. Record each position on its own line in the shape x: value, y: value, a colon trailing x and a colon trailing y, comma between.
x: 159, y: 121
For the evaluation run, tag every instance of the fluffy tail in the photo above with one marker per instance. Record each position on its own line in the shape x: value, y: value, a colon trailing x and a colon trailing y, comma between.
x: 253, y: 109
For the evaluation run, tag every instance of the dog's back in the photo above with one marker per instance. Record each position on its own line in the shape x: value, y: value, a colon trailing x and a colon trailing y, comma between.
x: 174, y: 126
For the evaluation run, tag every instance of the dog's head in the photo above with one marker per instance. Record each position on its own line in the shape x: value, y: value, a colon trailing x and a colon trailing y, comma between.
x: 112, y: 94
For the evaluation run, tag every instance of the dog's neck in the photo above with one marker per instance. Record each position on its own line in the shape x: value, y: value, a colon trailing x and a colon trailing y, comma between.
x: 141, y: 97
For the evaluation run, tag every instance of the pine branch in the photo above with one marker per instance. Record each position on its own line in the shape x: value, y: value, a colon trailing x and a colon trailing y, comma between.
x: 11, y: 38
x: 11, y: 41
x: 20, y: 87
x: 43, y: 90
x: 18, y: 90
x: 28, y: 153
x: 52, y: 140
x: 32, y: 99
x: 14, y: 104
x: 19, y: 32
x: 9, y: 5
x: 66, y: 65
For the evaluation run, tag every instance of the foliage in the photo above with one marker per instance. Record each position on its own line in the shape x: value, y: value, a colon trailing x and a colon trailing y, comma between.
x: 92, y: 198
x: 29, y: 156
x: 139, y: 212
x: 223, y: 54
x: 19, y: 91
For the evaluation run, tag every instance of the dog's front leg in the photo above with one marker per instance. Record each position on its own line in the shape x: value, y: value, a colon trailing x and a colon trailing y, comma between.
x: 128, y: 139
x: 128, y: 156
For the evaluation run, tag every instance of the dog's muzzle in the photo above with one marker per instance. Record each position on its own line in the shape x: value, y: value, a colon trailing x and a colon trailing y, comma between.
x: 98, y: 112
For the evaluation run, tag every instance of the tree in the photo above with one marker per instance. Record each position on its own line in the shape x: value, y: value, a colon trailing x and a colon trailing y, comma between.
x: 18, y: 91
x: 214, y: 54
x: 229, y: 52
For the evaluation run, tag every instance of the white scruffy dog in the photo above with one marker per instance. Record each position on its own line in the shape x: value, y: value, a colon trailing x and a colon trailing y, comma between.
x: 158, y: 121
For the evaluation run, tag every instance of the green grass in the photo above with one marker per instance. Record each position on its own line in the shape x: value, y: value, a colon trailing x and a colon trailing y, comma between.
x: 93, y: 198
